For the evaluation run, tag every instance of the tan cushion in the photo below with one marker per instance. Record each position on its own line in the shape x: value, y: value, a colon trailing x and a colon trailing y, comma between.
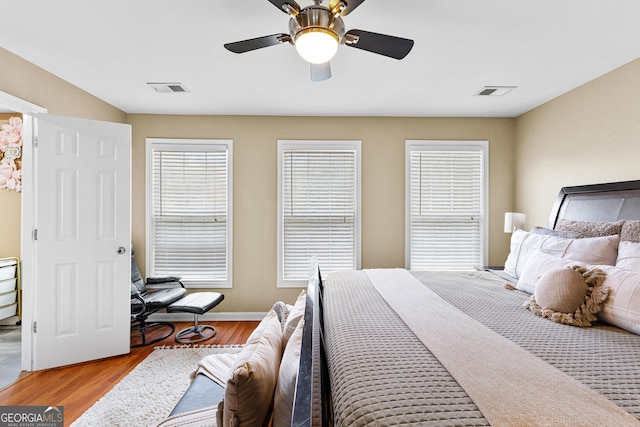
x: 572, y: 296
x: 295, y: 314
x: 561, y: 289
x: 249, y: 392
x: 629, y: 255
x: 285, y: 390
x: 622, y: 308
x: 591, y: 250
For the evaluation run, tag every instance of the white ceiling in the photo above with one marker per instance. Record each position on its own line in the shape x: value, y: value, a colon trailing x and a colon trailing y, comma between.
x: 112, y: 48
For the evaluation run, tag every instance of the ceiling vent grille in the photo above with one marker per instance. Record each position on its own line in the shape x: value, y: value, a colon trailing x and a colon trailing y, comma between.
x: 168, y: 87
x: 494, y: 90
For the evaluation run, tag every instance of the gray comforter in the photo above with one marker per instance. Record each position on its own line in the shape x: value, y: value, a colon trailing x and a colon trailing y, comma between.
x: 382, y: 374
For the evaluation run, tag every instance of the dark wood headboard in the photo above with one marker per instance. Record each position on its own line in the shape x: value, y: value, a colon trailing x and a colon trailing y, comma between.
x: 597, y: 202
x: 312, y: 400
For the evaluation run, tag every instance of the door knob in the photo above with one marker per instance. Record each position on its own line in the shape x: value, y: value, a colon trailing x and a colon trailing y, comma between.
x: 121, y: 250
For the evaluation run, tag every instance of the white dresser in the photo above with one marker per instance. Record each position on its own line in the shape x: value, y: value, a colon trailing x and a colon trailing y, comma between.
x: 9, y: 287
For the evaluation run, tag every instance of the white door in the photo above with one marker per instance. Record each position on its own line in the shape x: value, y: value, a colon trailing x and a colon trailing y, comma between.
x: 82, y: 243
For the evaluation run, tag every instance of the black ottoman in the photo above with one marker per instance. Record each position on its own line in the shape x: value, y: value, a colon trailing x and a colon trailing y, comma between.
x: 196, y: 303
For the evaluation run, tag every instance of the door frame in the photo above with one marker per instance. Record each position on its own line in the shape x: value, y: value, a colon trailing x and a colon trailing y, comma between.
x: 28, y: 110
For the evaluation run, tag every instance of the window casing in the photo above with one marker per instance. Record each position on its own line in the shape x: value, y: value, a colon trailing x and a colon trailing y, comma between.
x: 189, y: 210
x: 446, y: 204
x: 318, y: 208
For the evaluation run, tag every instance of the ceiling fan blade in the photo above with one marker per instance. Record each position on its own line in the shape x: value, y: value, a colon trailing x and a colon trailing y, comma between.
x: 351, y: 4
x: 320, y: 72
x: 257, y: 43
x: 287, y: 6
x: 382, y: 44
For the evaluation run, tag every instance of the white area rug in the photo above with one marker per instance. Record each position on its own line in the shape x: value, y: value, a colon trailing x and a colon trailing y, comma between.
x: 150, y: 391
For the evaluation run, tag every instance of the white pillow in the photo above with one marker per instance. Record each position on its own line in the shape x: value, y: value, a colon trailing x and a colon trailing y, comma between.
x: 629, y: 255
x: 622, y: 308
x: 295, y: 314
x: 518, y: 253
x: 590, y: 250
x: 537, y: 265
x: 287, y: 377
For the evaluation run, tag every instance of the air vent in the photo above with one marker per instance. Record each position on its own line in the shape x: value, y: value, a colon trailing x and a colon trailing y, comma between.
x: 168, y: 87
x: 494, y: 90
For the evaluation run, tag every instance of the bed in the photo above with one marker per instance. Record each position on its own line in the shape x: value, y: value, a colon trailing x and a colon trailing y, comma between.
x: 462, y: 349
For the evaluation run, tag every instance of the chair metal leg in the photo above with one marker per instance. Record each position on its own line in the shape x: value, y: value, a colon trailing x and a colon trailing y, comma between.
x: 195, y: 333
x: 143, y: 327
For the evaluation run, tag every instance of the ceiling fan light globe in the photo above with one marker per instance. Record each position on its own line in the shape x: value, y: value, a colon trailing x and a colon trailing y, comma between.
x: 316, y: 45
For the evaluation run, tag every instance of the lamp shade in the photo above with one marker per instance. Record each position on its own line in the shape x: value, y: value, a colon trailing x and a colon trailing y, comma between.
x: 316, y: 45
x: 513, y: 220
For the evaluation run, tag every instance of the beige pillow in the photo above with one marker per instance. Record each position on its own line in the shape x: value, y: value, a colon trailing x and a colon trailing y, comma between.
x: 629, y: 255
x: 622, y: 308
x: 295, y: 314
x: 561, y: 289
x: 249, y: 392
x: 590, y: 228
x: 286, y: 388
x: 571, y: 296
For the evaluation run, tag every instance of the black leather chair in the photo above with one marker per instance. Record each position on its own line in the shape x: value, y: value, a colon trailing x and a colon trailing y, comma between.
x: 144, y: 303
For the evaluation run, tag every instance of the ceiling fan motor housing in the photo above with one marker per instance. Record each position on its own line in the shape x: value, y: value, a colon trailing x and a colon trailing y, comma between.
x: 316, y: 18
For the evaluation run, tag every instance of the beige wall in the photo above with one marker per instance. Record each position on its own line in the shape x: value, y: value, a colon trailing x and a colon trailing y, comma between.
x: 30, y: 83
x: 589, y: 135
x: 255, y: 174
x: 24, y: 80
x: 255, y: 185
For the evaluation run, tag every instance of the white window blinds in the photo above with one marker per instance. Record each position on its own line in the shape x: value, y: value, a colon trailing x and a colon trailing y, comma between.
x: 319, y: 209
x: 189, y: 206
x: 446, y: 205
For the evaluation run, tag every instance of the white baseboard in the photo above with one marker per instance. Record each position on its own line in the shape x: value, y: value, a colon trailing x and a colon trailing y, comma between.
x: 182, y: 317
x: 209, y: 317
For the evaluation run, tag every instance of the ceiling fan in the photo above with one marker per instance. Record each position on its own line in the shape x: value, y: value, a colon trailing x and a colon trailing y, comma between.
x: 316, y: 31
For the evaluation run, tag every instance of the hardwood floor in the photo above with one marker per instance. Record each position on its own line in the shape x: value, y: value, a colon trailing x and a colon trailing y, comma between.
x: 77, y: 387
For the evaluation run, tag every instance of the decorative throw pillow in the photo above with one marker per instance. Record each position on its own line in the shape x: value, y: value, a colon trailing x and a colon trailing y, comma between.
x: 286, y: 388
x: 557, y: 233
x: 571, y: 296
x: 248, y: 396
x: 630, y: 231
x: 561, y: 290
x: 590, y: 228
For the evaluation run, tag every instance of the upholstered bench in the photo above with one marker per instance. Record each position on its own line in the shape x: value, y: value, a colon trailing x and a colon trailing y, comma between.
x: 197, y: 303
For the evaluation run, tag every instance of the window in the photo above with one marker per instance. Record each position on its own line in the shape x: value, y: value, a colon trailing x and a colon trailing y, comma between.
x: 446, y: 193
x: 318, y: 208
x: 189, y: 220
